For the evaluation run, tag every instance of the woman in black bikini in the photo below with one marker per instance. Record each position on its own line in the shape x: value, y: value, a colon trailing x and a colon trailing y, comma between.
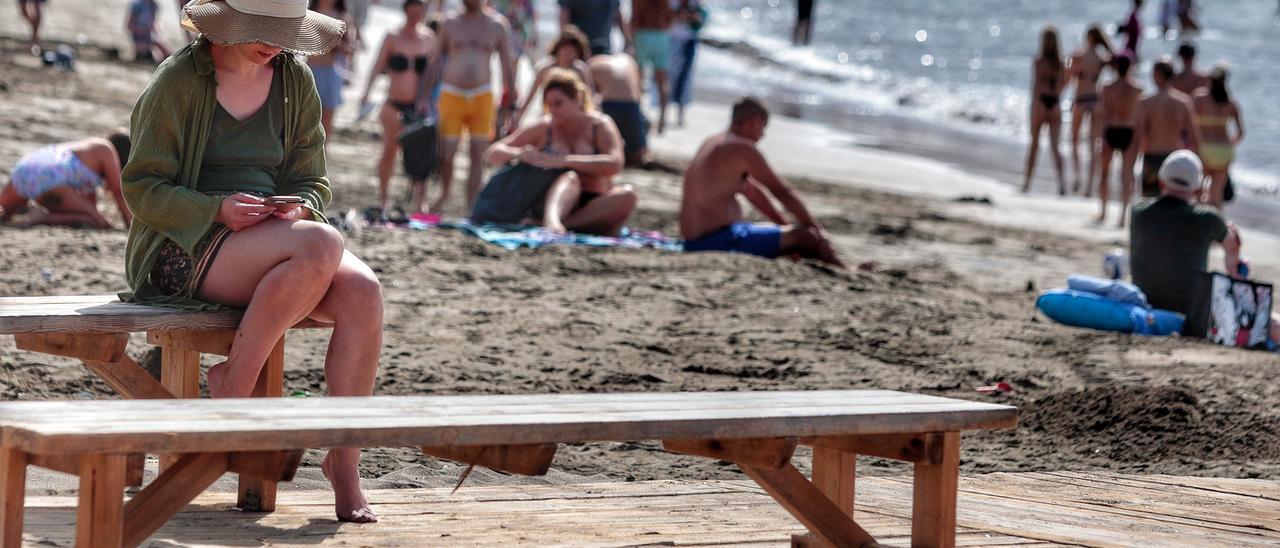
x: 1047, y: 81
x: 1086, y: 67
x: 573, y: 136
x: 403, y: 56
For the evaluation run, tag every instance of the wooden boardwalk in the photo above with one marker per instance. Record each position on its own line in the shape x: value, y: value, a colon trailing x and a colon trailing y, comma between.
x: 1030, y: 509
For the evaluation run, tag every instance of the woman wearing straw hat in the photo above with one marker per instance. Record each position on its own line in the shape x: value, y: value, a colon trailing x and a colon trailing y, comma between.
x: 227, y: 185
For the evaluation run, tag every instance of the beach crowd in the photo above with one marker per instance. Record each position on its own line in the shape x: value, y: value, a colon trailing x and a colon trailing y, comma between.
x: 1179, y: 136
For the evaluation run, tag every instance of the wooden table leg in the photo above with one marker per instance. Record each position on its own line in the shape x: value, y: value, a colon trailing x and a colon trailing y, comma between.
x: 13, y: 488
x: 933, y: 506
x: 180, y: 374
x: 100, y: 515
x: 809, y: 505
x: 834, y: 474
x: 259, y: 495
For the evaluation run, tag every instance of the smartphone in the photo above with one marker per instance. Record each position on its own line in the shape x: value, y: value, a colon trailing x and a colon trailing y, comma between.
x: 282, y: 200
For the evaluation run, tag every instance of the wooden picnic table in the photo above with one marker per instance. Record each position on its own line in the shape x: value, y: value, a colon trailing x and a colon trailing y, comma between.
x: 95, y: 329
x: 758, y: 431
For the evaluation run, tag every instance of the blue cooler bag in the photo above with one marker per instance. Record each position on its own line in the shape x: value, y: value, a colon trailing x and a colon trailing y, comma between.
x: 1080, y: 309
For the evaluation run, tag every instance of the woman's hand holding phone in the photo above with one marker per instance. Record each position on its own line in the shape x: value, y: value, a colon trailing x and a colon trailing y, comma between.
x: 240, y: 211
x: 288, y: 207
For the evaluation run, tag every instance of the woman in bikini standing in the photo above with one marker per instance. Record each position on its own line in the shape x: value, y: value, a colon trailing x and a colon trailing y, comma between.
x: 1048, y: 77
x: 573, y: 136
x: 1117, y: 112
x: 403, y: 56
x: 1086, y: 67
x: 1215, y: 110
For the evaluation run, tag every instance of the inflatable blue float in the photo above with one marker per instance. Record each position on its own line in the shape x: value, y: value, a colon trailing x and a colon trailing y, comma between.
x: 1083, y: 309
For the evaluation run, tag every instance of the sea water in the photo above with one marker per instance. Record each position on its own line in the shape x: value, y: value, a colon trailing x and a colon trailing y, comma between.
x: 950, y: 79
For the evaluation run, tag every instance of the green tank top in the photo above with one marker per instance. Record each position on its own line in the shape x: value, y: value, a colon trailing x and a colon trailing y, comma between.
x: 245, y: 156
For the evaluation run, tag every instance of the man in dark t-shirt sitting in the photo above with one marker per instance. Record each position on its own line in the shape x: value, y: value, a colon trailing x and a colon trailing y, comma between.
x: 1170, y: 236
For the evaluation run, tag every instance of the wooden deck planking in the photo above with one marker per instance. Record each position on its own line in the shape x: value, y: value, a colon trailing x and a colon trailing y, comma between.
x: 1023, y: 510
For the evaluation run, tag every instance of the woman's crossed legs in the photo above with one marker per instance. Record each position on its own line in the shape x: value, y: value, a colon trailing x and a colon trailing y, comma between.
x: 282, y: 272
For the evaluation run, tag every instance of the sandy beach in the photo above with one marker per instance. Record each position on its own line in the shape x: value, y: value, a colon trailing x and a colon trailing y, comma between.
x: 951, y: 264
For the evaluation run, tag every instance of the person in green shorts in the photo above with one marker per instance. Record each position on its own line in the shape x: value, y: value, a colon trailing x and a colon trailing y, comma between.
x: 650, y: 28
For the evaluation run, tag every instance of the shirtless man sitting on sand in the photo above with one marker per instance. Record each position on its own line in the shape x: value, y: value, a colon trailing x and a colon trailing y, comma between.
x: 467, y: 43
x: 1166, y: 122
x: 617, y: 82
x: 729, y: 164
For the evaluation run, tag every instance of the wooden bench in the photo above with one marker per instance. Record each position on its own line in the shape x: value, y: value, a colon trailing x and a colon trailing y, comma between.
x: 95, y: 329
x: 759, y: 431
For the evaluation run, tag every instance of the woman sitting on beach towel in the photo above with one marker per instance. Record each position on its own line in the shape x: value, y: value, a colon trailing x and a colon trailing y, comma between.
x: 575, y: 137
x: 228, y: 184
x: 63, y: 179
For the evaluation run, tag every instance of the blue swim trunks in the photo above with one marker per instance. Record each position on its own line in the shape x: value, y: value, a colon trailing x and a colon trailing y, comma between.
x: 759, y: 240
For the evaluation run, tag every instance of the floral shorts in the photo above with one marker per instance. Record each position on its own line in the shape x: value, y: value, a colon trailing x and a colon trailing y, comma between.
x: 175, y: 271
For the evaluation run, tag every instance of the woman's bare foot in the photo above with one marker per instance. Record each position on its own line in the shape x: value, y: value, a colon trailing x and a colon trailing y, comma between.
x: 349, y: 502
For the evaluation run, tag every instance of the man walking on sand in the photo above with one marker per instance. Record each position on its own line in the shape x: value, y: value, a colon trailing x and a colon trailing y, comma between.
x: 729, y: 164
x: 650, y: 26
x: 1166, y: 122
x: 468, y: 41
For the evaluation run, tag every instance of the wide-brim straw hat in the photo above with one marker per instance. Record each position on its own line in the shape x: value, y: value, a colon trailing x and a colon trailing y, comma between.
x: 286, y: 24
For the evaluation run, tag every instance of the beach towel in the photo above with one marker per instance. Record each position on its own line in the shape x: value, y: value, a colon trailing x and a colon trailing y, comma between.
x: 1116, y: 290
x: 514, y: 237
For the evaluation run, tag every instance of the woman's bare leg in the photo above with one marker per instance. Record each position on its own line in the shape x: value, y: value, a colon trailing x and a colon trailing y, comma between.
x: 1037, y: 120
x: 390, y: 120
x: 353, y: 304
x: 1077, y: 119
x: 561, y: 199
x: 1127, y: 180
x: 1216, y: 194
x: 279, y: 271
x: 1104, y: 187
x: 1095, y: 144
x: 1055, y: 131
x: 605, y: 215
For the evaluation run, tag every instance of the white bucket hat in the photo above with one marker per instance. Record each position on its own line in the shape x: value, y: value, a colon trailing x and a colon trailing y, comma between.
x: 286, y: 24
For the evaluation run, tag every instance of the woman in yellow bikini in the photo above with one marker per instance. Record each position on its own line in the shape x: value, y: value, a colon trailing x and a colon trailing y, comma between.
x: 1215, y: 110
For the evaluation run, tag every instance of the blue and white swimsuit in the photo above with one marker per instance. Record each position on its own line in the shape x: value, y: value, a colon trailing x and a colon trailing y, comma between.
x: 51, y: 167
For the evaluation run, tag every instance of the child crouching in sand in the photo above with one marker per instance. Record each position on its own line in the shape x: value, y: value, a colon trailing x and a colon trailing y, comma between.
x: 62, y: 181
